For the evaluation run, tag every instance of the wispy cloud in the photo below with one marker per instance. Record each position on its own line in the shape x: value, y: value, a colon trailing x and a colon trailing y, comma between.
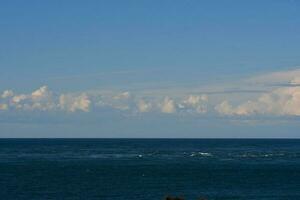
x: 288, y: 77
x: 100, y: 75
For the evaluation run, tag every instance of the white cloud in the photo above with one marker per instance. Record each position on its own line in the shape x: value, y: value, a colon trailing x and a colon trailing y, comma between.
x: 281, y: 101
x: 197, y: 103
x: 284, y: 101
x: 40, y: 99
x: 144, y: 106
x: 168, y: 106
x: 224, y: 108
x: 7, y: 94
x: 195, y: 99
x: 18, y: 98
x: 41, y: 93
x: 74, y: 103
x: 282, y: 98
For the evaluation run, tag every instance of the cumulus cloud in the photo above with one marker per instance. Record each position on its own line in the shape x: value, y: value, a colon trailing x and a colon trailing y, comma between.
x: 224, y: 108
x: 74, y: 103
x: 40, y: 99
x: 144, y: 106
x: 43, y: 99
x: 284, y: 100
x: 7, y: 94
x: 281, y: 101
x: 196, y: 103
x: 168, y: 106
x: 18, y: 98
x: 41, y: 93
x: 192, y: 100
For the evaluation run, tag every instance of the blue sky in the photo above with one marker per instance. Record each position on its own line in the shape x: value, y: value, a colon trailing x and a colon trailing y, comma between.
x: 149, y: 68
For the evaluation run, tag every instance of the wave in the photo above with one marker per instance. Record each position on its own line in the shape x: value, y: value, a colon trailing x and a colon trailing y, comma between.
x: 205, y: 154
x: 157, y: 155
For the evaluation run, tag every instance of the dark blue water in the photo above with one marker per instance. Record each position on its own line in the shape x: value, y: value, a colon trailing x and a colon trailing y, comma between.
x: 137, y: 169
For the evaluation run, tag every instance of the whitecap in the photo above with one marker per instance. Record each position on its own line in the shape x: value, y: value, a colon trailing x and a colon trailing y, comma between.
x: 205, y: 154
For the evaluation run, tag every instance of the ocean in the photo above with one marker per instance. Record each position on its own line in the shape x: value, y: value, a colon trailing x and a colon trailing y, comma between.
x: 148, y: 169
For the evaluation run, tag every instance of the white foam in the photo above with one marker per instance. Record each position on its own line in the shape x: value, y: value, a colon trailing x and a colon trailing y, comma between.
x: 200, y: 154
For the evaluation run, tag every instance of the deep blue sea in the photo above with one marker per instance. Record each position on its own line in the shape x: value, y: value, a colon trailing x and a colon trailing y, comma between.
x: 147, y: 169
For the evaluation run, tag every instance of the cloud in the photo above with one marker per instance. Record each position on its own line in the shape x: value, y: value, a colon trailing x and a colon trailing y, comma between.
x: 282, y: 101
x: 120, y: 101
x: 72, y: 103
x: 41, y: 93
x: 40, y: 99
x: 195, y: 99
x: 144, y: 106
x: 280, y: 77
x: 18, y: 98
x: 7, y: 94
x: 168, y: 106
x: 224, y: 108
x: 197, y: 103
x: 43, y: 99
x: 124, y: 95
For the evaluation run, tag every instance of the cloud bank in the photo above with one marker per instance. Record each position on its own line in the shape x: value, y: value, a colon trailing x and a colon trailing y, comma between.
x: 282, y: 99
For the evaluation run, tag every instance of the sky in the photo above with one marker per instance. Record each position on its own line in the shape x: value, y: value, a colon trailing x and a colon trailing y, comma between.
x: 150, y: 69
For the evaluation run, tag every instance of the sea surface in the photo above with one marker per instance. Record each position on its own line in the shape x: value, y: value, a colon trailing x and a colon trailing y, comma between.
x: 149, y: 169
